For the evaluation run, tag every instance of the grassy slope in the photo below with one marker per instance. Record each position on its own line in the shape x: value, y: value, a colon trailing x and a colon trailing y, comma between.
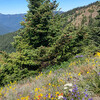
x: 82, y: 72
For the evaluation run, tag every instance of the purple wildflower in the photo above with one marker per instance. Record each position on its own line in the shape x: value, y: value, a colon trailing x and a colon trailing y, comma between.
x: 73, y: 90
x: 72, y: 94
x: 64, y: 98
x: 46, y: 95
x: 99, y: 73
x: 78, y: 93
x: 75, y: 85
x: 83, y: 99
x: 51, y: 95
x: 79, y: 56
x: 75, y: 95
x: 30, y: 92
x: 78, y: 97
x: 86, y: 95
x: 57, y: 87
x: 76, y: 88
x: 85, y: 89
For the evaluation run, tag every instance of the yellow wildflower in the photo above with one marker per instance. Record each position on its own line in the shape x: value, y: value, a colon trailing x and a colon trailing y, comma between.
x: 98, y: 54
x: 69, y: 73
x: 79, y: 74
x: 70, y: 76
x: 87, y: 72
x: 41, y: 95
x: 49, y: 83
x: 57, y: 93
x: 36, y: 89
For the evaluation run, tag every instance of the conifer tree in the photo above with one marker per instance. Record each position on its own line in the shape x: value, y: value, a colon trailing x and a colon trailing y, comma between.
x: 95, y: 32
x: 39, y: 26
x: 41, y: 29
x: 98, y: 18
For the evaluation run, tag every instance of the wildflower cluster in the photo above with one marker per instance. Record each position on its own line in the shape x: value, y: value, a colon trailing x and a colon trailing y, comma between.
x: 8, y: 88
x: 73, y: 93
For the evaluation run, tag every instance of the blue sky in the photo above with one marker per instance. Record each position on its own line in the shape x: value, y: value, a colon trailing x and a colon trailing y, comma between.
x: 20, y: 6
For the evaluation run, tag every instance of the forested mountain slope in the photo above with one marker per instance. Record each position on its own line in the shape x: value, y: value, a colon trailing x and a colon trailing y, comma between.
x: 4, y: 29
x: 83, y: 15
x: 5, y: 42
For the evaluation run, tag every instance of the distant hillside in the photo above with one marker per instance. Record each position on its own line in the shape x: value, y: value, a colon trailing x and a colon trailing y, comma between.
x: 4, y: 29
x: 5, y: 42
x: 83, y: 15
x: 10, y: 23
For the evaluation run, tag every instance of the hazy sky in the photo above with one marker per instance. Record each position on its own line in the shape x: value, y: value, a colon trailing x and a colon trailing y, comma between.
x: 20, y: 6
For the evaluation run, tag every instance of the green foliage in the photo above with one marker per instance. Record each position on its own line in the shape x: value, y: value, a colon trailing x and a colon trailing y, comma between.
x: 95, y: 82
x: 91, y: 21
x: 5, y: 42
x: 95, y: 32
x: 13, y: 73
x: 11, y: 70
x: 83, y: 20
x: 98, y: 19
x: 95, y: 36
x: 91, y: 10
x: 69, y: 44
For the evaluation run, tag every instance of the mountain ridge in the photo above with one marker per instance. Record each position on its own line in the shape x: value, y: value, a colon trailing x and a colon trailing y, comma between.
x: 83, y: 15
x: 11, y: 22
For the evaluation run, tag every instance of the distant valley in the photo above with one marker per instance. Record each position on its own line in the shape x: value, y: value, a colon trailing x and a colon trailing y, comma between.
x: 10, y: 23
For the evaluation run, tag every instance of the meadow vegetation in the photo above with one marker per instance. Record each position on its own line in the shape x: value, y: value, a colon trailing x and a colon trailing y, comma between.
x: 74, y: 80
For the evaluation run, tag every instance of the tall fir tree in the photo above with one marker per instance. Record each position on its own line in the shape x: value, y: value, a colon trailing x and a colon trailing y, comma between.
x: 41, y: 29
x: 39, y: 26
